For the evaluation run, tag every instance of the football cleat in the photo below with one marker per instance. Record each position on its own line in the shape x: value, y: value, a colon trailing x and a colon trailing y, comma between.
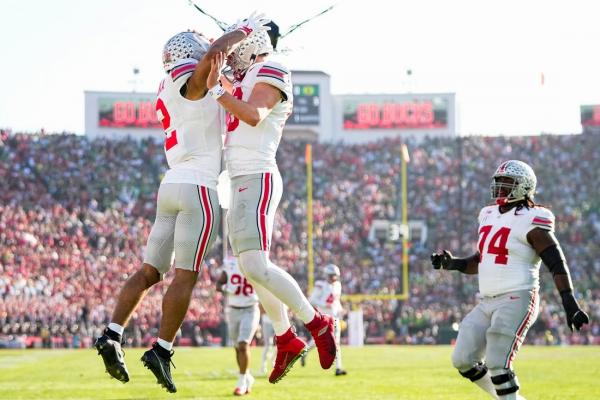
x: 340, y: 371
x: 113, y: 357
x: 240, y: 387
x: 160, y: 366
x: 289, y: 349
x: 249, y: 383
x: 322, y: 329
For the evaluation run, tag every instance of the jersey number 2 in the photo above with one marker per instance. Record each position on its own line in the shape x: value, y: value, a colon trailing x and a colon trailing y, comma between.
x: 497, y: 244
x: 165, y: 119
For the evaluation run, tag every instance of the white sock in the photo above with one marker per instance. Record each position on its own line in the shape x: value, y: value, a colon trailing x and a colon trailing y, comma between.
x: 164, y: 344
x: 116, y: 328
x: 275, y: 309
x: 338, y: 340
x: 485, y: 383
x: 258, y: 269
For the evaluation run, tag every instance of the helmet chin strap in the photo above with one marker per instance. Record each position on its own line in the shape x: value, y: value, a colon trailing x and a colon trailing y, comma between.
x: 502, y: 201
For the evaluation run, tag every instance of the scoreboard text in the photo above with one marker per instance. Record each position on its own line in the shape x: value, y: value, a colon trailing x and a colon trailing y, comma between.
x: 393, y: 114
x: 127, y: 113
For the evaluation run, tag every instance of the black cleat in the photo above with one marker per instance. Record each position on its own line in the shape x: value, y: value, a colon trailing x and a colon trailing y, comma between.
x: 340, y: 371
x: 113, y: 357
x: 160, y: 366
x: 303, y: 359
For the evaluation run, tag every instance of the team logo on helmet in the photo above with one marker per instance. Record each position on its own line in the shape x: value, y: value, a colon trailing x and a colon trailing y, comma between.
x: 182, y: 48
x: 522, y: 184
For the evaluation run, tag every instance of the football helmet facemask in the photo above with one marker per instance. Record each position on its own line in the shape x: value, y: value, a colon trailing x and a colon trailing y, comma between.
x: 244, y: 55
x: 522, y: 186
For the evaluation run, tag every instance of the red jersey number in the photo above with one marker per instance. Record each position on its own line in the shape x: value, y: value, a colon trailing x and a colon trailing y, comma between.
x: 496, y: 245
x: 243, y: 286
x: 232, y: 121
x: 330, y: 299
x: 165, y: 119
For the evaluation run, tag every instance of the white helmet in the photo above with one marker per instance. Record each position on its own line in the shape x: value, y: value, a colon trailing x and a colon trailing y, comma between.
x: 522, y: 187
x: 244, y: 55
x: 182, y: 48
x: 332, y: 269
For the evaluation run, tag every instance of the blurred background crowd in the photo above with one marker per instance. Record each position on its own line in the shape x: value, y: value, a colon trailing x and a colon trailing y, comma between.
x: 75, y: 214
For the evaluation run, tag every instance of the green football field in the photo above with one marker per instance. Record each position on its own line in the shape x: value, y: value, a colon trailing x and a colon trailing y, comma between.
x: 374, y: 372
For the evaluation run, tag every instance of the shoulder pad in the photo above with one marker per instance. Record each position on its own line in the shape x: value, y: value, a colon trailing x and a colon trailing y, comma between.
x: 277, y: 75
x: 542, y: 218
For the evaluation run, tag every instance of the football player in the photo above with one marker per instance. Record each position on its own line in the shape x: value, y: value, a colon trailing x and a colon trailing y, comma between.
x: 242, y: 319
x: 187, y: 217
x: 326, y: 298
x: 515, y: 234
x: 257, y: 110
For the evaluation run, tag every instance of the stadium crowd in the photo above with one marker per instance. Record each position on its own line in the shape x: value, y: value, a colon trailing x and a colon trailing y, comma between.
x: 75, y: 214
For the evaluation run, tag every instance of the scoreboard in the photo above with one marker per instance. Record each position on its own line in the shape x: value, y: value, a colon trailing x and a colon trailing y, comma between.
x: 590, y: 116
x: 317, y: 114
x: 306, y: 105
x: 382, y: 113
x: 120, y: 112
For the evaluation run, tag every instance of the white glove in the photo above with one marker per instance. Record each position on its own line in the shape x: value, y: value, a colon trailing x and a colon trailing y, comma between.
x: 253, y: 23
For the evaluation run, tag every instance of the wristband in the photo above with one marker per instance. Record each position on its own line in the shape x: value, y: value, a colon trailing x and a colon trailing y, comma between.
x: 246, y: 29
x: 216, y: 91
x: 458, y: 264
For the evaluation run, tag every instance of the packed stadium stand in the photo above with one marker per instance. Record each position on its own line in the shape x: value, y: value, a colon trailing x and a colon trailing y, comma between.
x: 75, y: 214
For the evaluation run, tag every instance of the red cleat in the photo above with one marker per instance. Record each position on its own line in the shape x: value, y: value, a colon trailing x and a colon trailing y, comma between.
x: 289, y: 349
x: 322, y: 330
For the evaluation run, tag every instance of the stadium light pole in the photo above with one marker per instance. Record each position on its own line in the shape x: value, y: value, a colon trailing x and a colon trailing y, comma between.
x: 405, y: 160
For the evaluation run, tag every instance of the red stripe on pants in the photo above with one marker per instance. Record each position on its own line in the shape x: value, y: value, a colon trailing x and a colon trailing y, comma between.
x: 266, y: 196
x: 207, y: 225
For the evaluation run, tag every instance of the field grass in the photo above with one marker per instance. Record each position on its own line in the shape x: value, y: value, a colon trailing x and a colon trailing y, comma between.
x: 374, y: 372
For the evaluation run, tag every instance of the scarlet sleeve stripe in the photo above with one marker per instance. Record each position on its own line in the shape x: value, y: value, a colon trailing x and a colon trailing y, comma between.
x: 271, y: 71
x: 541, y: 221
x: 179, y: 71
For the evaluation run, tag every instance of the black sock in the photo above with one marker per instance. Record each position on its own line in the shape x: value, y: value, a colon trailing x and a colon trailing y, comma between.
x: 113, y: 335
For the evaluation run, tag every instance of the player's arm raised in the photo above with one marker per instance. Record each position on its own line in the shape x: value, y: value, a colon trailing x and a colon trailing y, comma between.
x: 260, y: 103
x: 547, y: 247
x: 445, y: 260
x: 195, y: 88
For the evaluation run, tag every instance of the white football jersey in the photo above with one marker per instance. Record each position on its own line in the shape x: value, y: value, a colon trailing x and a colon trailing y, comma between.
x: 193, y: 131
x: 326, y: 297
x: 251, y: 149
x: 508, y: 262
x: 240, y: 292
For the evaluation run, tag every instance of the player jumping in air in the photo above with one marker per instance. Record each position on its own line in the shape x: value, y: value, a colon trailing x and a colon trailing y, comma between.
x: 258, y: 108
x: 188, y: 213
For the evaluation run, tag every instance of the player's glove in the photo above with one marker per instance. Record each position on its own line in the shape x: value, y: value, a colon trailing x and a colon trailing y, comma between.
x: 253, y: 23
x: 445, y: 260
x: 576, y: 317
